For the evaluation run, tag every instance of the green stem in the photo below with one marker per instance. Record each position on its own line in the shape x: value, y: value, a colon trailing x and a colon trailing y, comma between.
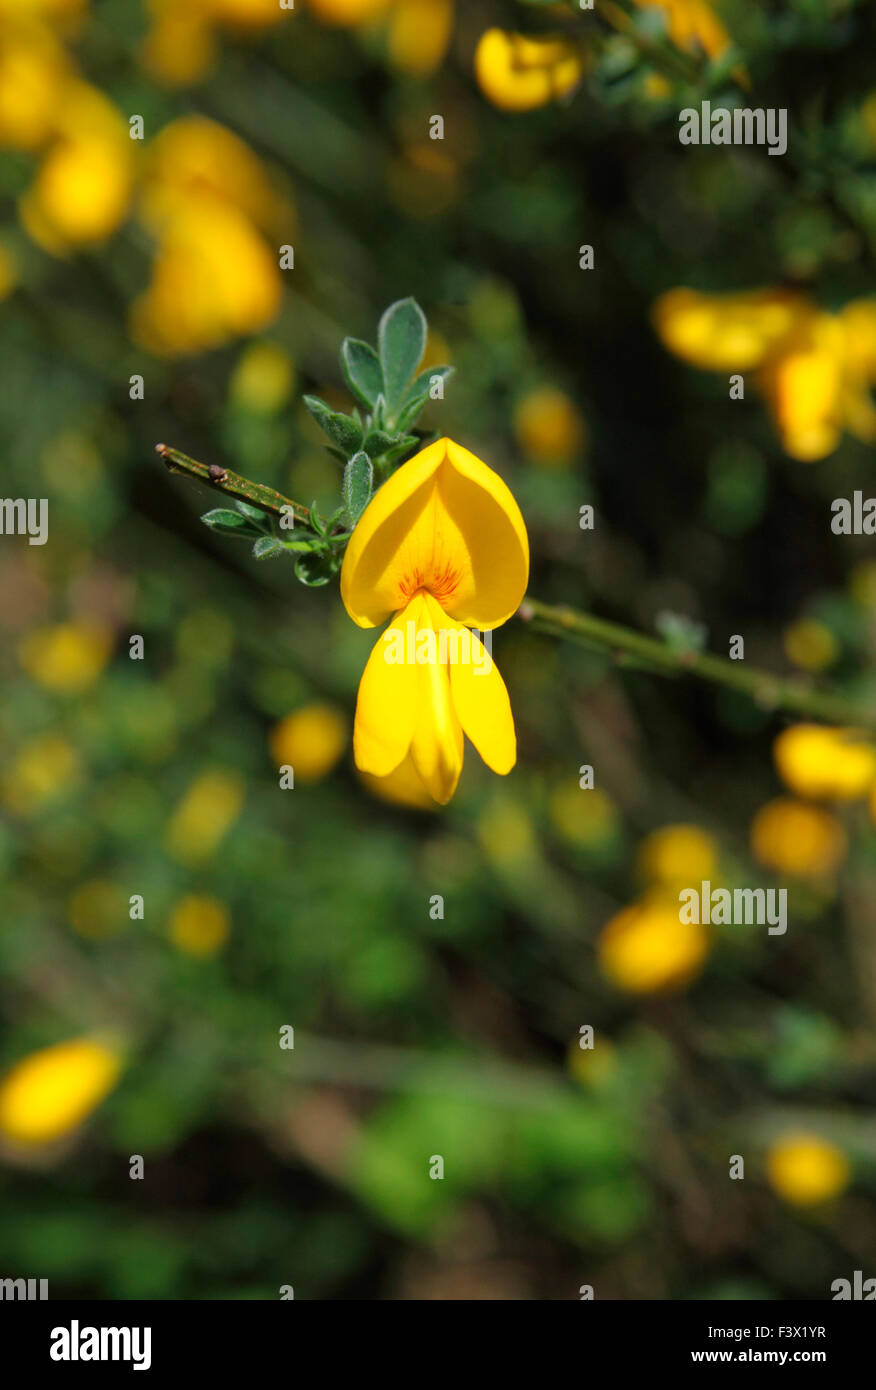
x: 232, y: 484
x: 765, y: 689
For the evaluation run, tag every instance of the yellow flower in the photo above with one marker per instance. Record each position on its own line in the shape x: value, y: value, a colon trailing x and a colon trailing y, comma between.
x: 215, y: 278
x: 310, y: 740
x: 692, y: 25
x: 42, y: 771
x: 67, y: 658
x: 51, y: 1092
x: 549, y: 426
x: 645, y: 948
x: 810, y: 645
x: 199, y: 926
x: 519, y: 73
x: 824, y: 763
x: 441, y: 548
x: 797, y: 839
x: 204, y: 816
x: 815, y: 369
x: 179, y: 48
x: 419, y: 32
x: 403, y: 787
x: 677, y: 856
x: 83, y: 186
x: 194, y: 157
x: 806, y: 1170
x: 33, y: 72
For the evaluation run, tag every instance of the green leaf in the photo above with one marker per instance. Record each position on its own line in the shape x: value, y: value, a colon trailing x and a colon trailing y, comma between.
x: 358, y: 481
x: 401, y: 338
x: 422, y: 384
x: 341, y: 429
x: 314, y: 569
x: 377, y: 442
x: 229, y: 523
x: 316, y: 521
x: 266, y: 546
x: 362, y: 372
x: 253, y: 513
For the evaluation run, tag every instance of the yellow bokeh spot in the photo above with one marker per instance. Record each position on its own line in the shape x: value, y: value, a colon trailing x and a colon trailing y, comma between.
x: 593, y: 1066
x: 199, y: 926
x: 419, y: 33
x: 506, y: 833
x: 51, y: 1092
x: 549, y: 427
x: 797, y: 839
x: 810, y: 645
x: 179, y: 49
x: 67, y: 658
x: 677, y: 856
x: 311, y: 741
x: 806, y: 1170
x: 825, y: 763
x: 204, y: 816
x: 519, y: 73
x: 263, y: 378
x: 587, y: 819
x: 646, y: 949
x: 862, y: 583
x: 41, y: 772
x: 98, y: 909
x: 33, y: 71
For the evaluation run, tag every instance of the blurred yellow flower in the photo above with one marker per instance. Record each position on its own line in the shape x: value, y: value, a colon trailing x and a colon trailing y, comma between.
x: 207, y: 199
x: 810, y: 645
x: 645, y: 948
x: 42, y: 770
x: 692, y: 25
x: 194, y: 157
x: 98, y: 909
x: 862, y: 583
x: 517, y: 72
x: 204, y: 816
x: 441, y: 548
x: 263, y: 378
x: 824, y: 763
x: 549, y: 427
x: 83, y: 187
x: 199, y: 926
x: 51, y: 1092
x: 67, y: 658
x: 506, y: 833
x: 815, y: 369
x: 33, y: 72
x: 214, y: 278
x: 797, y: 839
x: 348, y: 12
x: 419, y: 33
x: 586, y: 819
x: 677, y: 856
x: 180, y: 47
x: 806, y: 1170
x: 311, y: 741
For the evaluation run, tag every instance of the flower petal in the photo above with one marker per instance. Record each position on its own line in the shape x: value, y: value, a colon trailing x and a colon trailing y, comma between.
x: 483, y: 708
x: 446, y: 523
x: 386, y: 710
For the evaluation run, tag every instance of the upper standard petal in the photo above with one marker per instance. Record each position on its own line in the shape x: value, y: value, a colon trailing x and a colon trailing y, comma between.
x: 446, y: 524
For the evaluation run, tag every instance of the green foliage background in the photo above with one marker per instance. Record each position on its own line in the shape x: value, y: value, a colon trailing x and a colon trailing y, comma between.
x: 417, y: 1037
